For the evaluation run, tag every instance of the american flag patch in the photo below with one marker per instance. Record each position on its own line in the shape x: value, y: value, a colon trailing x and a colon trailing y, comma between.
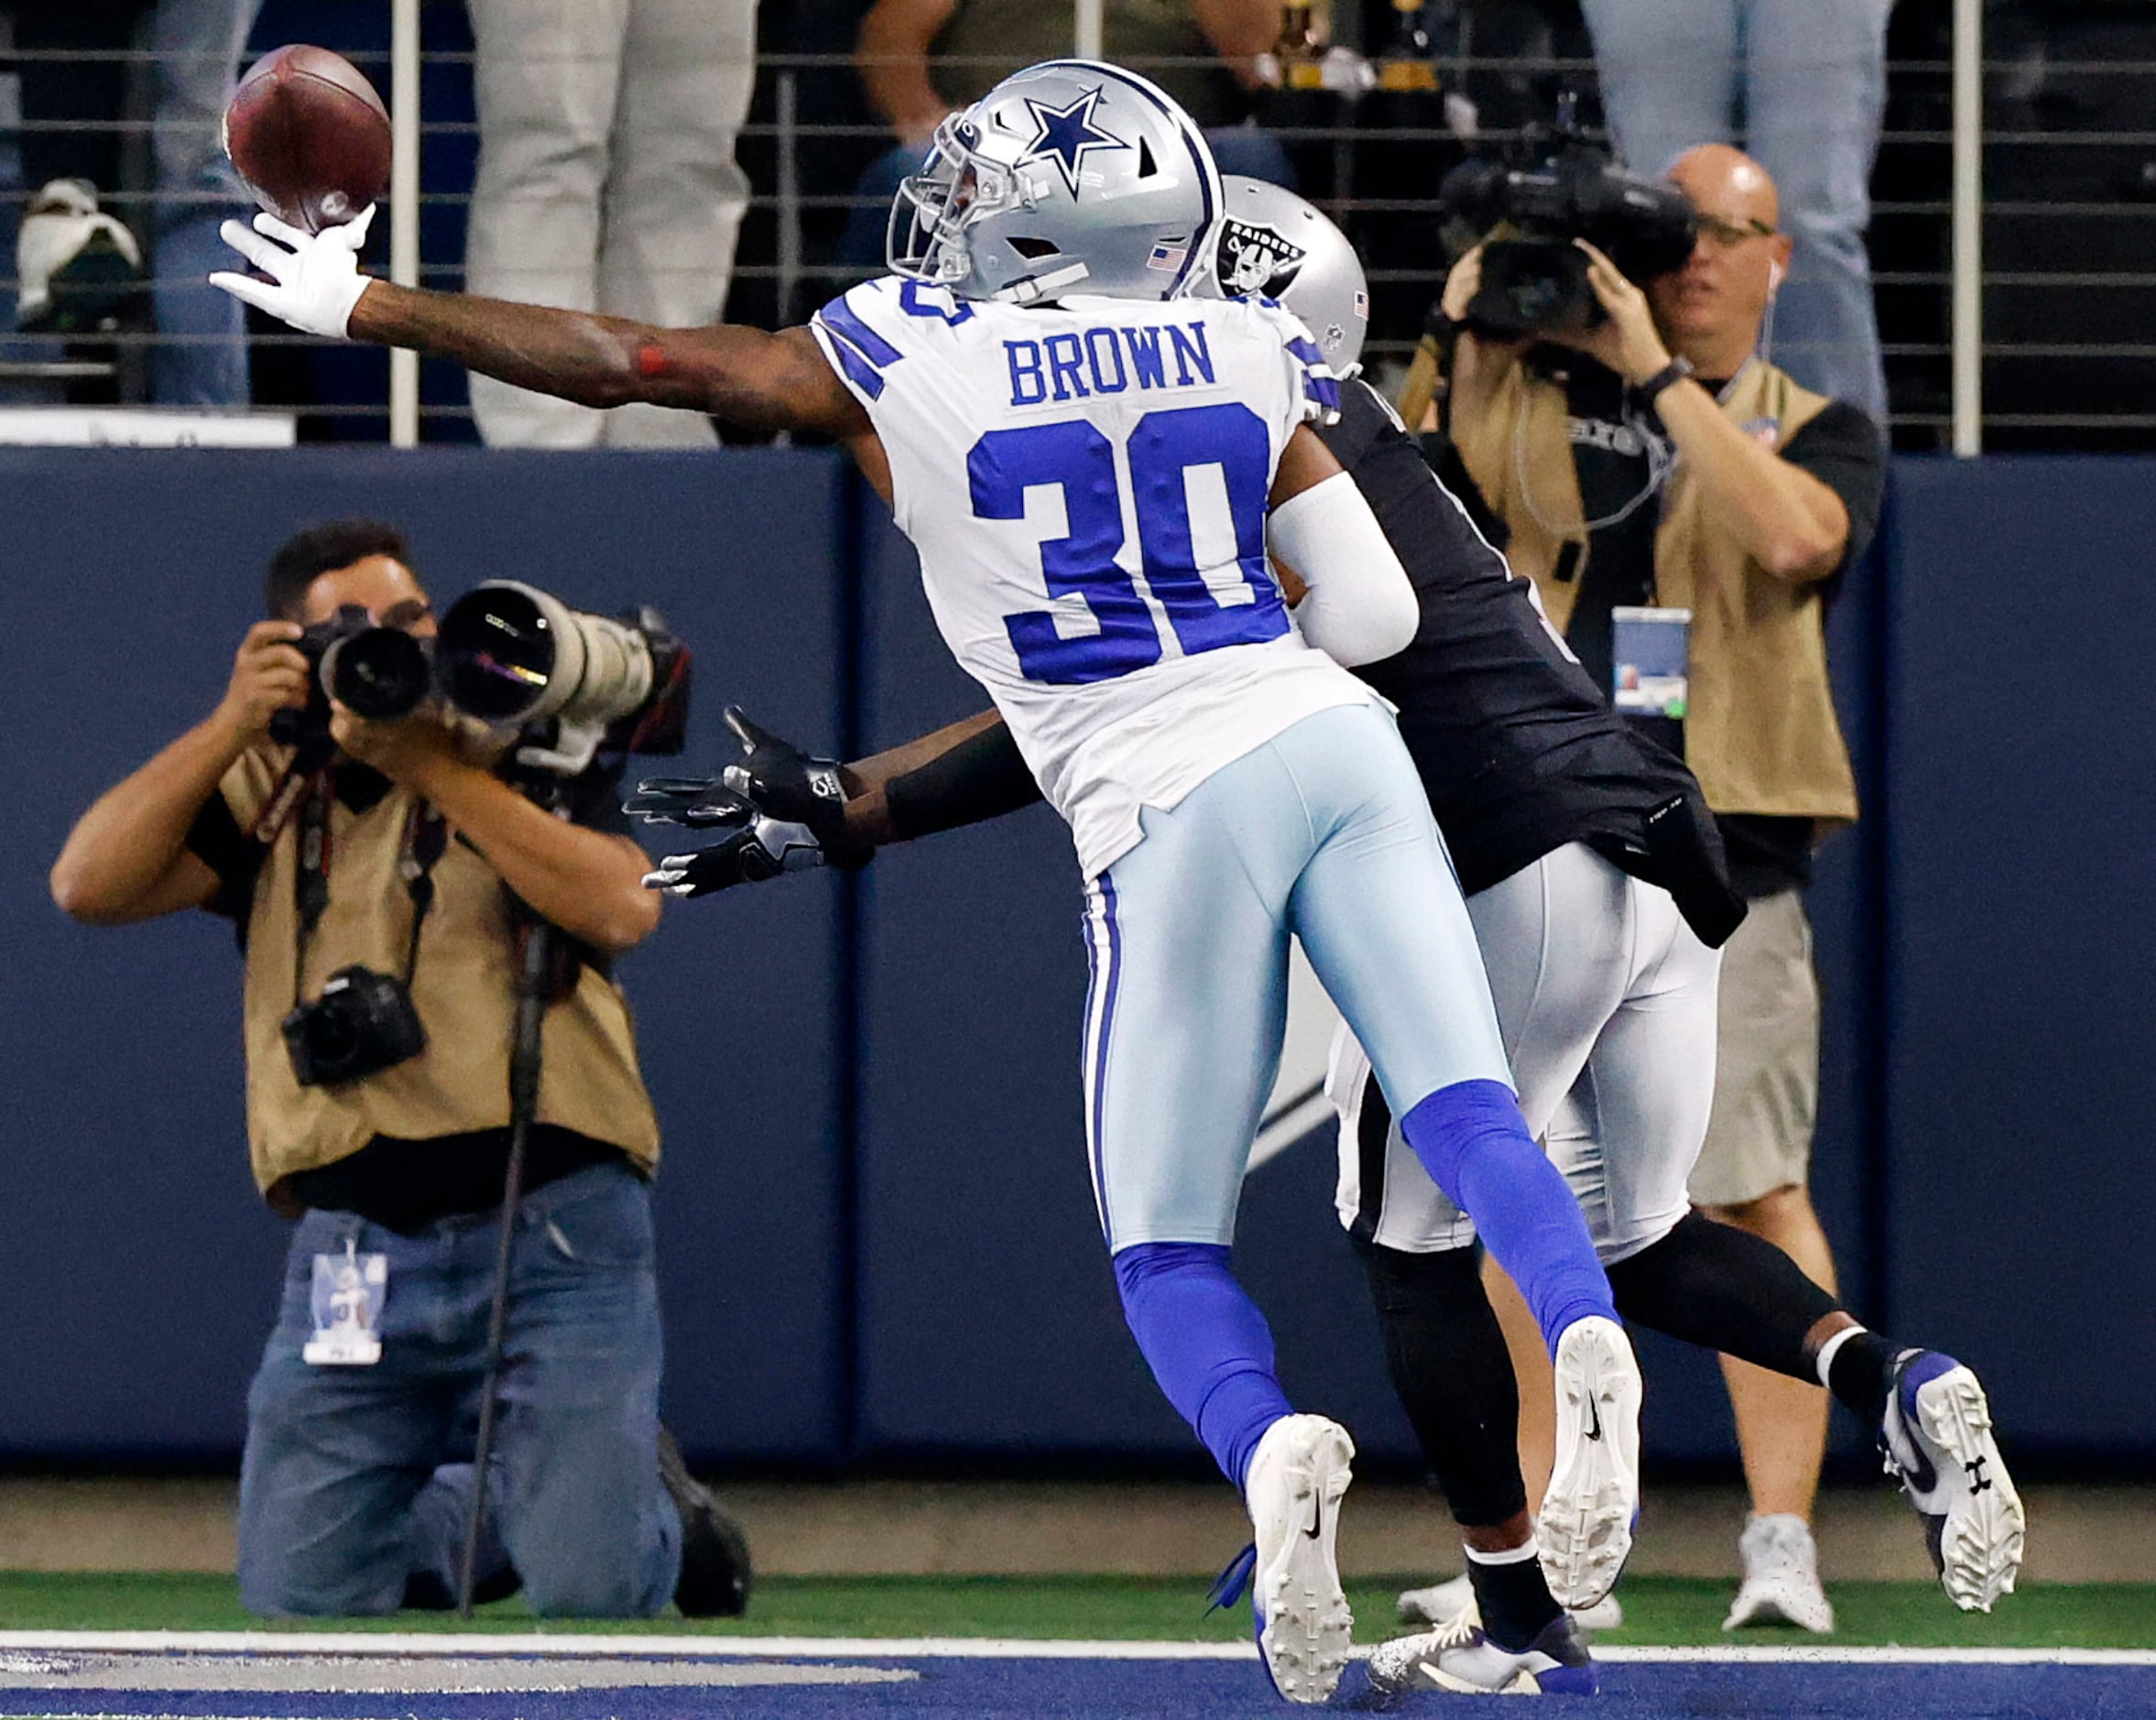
x: 1167, y: 256
x: 1362, y: 306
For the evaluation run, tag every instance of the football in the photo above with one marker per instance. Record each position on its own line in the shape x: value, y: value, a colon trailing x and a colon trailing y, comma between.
x: 309, y: 135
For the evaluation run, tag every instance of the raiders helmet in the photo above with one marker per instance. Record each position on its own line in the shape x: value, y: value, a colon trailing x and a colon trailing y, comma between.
x: 1069, y: 176
x: 1272, y: 243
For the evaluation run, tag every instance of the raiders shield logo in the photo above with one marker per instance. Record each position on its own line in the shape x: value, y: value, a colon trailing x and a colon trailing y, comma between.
x: 1254, y: 259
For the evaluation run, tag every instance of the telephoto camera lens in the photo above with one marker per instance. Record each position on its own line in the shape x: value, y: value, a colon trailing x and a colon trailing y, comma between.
x: 511, y: 655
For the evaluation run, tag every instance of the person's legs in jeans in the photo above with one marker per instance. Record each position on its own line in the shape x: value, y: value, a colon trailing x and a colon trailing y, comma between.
x: 203, y: 357
x: 335, y: 1455
x: 546, y: 75
x: 585, y: 1517
x: 1816, y: 89
x: 1669, y: 71
x: 860, y: 249
x: 1253, y: 153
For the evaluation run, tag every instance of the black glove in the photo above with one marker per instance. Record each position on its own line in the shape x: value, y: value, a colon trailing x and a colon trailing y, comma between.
x: 699, y: 802
x: 789, y: 785
x: 760, y: 849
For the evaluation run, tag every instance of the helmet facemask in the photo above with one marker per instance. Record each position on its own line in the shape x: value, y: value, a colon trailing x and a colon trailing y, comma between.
x: 956, y: 187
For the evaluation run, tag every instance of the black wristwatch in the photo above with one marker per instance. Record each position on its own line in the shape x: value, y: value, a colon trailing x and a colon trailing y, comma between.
x: 1676, y: 370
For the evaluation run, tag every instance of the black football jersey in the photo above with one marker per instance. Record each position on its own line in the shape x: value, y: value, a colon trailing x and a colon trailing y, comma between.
x: 1516, y: 746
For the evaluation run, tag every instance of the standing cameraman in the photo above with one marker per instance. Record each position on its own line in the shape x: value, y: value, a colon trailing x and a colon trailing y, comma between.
x: 1663, y: 464
x: 379, y: 881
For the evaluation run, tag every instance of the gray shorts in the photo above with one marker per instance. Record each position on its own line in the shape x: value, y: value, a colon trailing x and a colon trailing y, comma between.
x: 1767, y: 1070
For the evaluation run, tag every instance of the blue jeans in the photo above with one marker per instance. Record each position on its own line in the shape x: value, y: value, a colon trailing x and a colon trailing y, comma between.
x: 1811, y: 77
x: 201, y: 360
x: 1244, y: 150
x: 355, y: 1479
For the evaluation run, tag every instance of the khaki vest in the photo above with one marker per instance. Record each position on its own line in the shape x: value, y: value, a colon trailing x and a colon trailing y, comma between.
x: 463, y: 987
x: 1759, y: 730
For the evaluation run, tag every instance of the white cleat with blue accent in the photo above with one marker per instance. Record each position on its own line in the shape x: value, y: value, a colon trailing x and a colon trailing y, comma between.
x: 1294, y: 1485
x: 1460, y: 1657
x: 1936, y: 1438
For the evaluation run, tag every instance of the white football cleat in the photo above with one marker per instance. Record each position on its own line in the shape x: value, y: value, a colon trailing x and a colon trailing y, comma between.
x: 1585, y: 1528
x: 1460, y: 1657
x: 1780, y: 1583
x: 1936, y: 1437
x: 1442, y: 1603
x: 1293, y: 1488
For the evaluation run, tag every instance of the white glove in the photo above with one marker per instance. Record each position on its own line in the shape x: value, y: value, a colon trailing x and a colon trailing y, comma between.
x: 314, y: 279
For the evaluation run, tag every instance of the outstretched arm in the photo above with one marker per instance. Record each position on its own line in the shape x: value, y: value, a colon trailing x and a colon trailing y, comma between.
x: 758, y: 380
x: 749, y: 377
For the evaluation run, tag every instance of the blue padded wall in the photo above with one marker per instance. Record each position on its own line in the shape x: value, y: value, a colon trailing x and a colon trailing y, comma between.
x: 2021, y: 1055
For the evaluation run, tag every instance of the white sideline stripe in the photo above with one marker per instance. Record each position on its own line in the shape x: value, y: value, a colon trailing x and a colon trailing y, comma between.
x: 355, y: 1643
x: 409, y: 1643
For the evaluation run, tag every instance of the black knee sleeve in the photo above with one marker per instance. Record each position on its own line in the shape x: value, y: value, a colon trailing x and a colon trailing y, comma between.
x: 1446, y: 1354
x: 1726, y: 1290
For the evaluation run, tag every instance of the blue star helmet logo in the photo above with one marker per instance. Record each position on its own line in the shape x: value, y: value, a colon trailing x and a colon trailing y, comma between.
x: 1065, y: 134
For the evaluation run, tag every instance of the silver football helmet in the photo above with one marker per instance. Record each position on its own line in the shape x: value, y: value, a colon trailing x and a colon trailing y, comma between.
x: 1273, y: 243
x: 1067, y: 177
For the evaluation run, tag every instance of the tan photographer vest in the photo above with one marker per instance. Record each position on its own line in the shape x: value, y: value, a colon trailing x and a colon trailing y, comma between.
x: 463, y: 987
x: 1759, y: 730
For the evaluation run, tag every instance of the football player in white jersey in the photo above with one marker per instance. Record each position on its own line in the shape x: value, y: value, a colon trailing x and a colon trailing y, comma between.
x: 1094, y: 469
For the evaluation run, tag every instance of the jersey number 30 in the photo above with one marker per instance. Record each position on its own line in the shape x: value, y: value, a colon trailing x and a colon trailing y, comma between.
x: 1079, y: 460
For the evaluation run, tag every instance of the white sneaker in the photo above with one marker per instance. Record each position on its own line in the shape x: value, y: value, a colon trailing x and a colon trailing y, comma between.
x: 1585, y: 1528
x: 76, y: 267
x: 1442, y: 1603
x: 1780, y: 1583
x: 1297, y: 1476
x: 1459, y: 1657
x: 1937, y: 1440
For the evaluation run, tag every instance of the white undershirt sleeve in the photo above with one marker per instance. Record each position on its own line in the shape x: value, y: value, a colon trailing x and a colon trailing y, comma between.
x: 1361, y: 607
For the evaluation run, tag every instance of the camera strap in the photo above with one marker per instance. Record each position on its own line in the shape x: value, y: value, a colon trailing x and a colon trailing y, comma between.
x: 421, y: 845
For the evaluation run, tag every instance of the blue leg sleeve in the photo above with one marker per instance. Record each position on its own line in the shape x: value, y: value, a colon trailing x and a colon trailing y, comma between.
x: 1472, y: 1139
x: 1206, y: 1343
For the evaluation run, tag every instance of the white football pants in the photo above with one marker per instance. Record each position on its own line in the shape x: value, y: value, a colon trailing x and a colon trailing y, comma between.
x: 1605, y: 1000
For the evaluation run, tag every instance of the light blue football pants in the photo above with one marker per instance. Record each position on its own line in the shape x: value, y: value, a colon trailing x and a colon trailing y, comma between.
x: 1325, y: 832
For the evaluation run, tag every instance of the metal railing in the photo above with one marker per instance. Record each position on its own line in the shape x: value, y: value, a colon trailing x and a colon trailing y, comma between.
x: 2014, y: 262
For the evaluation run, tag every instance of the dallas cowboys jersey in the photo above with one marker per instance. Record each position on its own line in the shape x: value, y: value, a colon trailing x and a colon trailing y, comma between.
x: 1086, y: 484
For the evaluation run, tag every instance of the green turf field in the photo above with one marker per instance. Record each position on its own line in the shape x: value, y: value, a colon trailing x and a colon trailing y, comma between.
x: 1668, y: 1610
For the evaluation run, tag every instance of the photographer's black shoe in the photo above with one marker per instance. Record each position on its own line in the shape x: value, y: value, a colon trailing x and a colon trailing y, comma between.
x: 426, y: 1593
x: 716, y: 1572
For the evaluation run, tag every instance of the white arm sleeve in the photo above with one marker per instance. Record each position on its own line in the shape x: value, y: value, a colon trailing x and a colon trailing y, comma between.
x: 1360, y: 607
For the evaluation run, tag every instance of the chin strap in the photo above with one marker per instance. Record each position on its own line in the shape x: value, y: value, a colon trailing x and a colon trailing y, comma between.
x: 1035, y: 287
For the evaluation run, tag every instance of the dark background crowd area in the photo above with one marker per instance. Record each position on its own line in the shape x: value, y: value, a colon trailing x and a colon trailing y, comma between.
x: 2069, y: 184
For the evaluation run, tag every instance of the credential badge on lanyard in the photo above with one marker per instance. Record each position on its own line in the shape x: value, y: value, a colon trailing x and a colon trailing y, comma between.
x: 1650, y: 652
x: 347, y: 1308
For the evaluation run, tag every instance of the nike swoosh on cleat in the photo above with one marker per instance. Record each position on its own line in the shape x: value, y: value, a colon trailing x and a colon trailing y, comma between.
x: 1594, y: 1419
x: 1317, y: 1518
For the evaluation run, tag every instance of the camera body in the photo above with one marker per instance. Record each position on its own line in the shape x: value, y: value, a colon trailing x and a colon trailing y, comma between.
x: 363, y: 1023
x: 377, y: 672
x: 1535, y: 282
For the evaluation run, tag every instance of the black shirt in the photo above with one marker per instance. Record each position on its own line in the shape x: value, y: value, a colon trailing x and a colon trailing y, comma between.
x: 1517, y: 748
x: 1619, y: 448
x: 406, y: 1185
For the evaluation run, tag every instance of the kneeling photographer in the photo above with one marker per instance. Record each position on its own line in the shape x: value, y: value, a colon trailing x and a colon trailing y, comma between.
x: 428, y: 897
x: 1684, y: 510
